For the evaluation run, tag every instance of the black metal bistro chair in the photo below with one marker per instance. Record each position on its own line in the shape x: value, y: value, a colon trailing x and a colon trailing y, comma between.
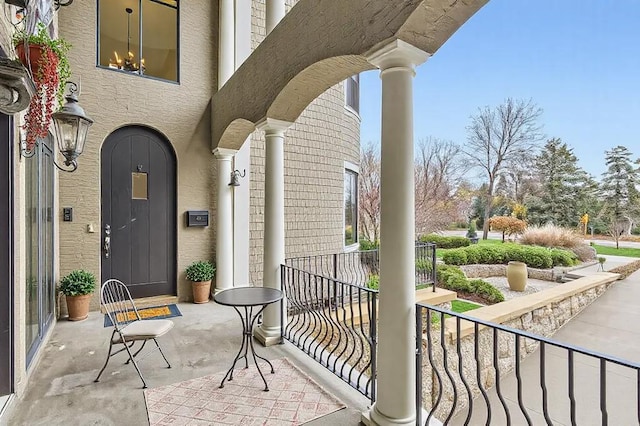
x: 128, y: 327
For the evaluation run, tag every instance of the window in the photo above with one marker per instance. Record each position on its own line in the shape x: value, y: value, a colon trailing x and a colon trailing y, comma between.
x: 350, y: 207
x: 352, y: 93
x: 139, y: 37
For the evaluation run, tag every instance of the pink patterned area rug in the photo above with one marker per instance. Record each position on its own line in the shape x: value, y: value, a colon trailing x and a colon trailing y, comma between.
x: 293, y: 399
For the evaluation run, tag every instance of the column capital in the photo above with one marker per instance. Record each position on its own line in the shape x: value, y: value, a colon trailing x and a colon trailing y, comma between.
x: 397, y: 53
x: 273, y: 126
x: 224, y: 153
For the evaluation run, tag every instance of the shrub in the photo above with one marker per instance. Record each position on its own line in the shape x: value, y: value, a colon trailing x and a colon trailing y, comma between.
x: 471, y: 232
x: 452, y: 278
x: 455, y: 257
x: 486, y: 290
x: 78, y: 283
x: 563, y: 257
x: 373, y: 282
x: 368, y: 245
x: 201, y: 270
x: 423, y: 265
x: 534, y: 257
x: 445, y: 242
x: 551, y: 236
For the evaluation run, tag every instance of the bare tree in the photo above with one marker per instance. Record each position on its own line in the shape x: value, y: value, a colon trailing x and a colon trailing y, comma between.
x: 369, y: 192
x: 438, y: 173
x: 499, y: 137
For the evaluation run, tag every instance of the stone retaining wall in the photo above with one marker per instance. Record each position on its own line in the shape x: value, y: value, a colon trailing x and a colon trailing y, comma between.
x: 542, y: 314
x: 485, y: 271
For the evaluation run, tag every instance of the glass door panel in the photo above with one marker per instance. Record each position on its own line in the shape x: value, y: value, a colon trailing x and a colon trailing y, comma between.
x: 33, y: 258
x: 40, y: 283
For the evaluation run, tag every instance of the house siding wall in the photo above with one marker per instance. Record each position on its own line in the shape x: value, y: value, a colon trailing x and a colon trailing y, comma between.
x: 178, y: 111
x: 316, y: 147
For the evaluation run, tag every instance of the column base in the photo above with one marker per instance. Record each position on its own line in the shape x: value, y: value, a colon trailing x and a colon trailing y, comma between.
x: 374, y: 418
x: 268, y: 337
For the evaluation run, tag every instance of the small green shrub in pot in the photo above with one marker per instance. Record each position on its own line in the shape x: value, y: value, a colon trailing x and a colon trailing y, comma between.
x: 77, y: 286
x: 78, y: 283
x: 200, y: 273
x: 201, y: 270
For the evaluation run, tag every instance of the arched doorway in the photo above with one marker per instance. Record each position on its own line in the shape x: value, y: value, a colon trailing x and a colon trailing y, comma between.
x: 138, y: 193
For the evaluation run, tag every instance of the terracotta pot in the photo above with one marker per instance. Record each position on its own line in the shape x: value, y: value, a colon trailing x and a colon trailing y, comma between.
x: 33, y: 61
x: 78, y: 307
x: 201, y: 291
x: 517, y: 275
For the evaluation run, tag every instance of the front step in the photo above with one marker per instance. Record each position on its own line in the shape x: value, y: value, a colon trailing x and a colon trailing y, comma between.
x: 570, y: 277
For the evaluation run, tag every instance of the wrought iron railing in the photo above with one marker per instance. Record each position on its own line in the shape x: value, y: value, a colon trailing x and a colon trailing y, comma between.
x: 474, y: 372
x: 334, y: 323
x: 358, y: 267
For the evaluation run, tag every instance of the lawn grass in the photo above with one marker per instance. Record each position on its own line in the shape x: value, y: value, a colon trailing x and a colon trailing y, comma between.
x: 458, y: 306
x: 612, y: 251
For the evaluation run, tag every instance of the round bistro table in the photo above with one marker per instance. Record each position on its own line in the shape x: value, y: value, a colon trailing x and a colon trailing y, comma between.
x: 248, y: 298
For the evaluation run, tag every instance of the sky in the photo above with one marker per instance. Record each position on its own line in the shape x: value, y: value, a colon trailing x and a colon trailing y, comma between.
x: 578, y: 60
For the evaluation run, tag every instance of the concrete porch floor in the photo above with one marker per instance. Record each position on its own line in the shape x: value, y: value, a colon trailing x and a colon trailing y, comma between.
x: 204, y: 341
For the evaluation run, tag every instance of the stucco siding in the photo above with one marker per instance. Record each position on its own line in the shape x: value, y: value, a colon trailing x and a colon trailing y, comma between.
x: 180, y: 112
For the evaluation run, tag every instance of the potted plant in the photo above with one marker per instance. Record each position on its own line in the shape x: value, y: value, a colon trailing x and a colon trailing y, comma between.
x: 200, y: 274
x: 77, y: 286
x: 46, y: 58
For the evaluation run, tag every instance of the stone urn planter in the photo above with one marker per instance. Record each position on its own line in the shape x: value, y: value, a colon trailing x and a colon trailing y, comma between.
x: 517, y: 275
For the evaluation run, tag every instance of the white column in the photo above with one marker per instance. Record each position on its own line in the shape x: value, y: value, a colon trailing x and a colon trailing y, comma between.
x: 395, y: 404
x: 274, y: 13
x: 269, y: 331
x: 224, y: 221
x: 226, y: 41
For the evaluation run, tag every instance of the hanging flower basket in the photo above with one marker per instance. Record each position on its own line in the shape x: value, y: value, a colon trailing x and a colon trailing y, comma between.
x: 46, y: 59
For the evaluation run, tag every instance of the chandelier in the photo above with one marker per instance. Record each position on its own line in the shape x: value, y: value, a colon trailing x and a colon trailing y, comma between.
x: 127, y: 63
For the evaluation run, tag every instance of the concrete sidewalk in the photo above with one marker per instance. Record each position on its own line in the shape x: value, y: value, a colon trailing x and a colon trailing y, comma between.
x: 610, y: 325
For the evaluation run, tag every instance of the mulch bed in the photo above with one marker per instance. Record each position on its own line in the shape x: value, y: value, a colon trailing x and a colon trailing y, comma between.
x: 473, y: 297
x: 626, y: 270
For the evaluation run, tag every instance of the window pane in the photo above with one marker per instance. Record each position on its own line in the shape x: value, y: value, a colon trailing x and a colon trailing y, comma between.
x: 350, y: 208
x: 353, y: 92
x: 119, y: 34
x: 160, y: 39
x: 122, y: 31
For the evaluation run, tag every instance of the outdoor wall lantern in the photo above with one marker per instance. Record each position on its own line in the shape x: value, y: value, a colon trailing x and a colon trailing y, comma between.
x: 71, y: 126
x: 235, y: 177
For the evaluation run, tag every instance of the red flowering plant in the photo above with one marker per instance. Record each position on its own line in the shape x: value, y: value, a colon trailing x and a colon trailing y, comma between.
x: 46, y: 59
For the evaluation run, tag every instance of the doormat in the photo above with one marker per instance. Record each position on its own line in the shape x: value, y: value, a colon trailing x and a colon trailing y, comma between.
x: 155, y: 312
x: 293, y: 399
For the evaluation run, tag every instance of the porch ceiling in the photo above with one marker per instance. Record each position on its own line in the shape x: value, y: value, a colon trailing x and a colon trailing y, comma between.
x: 318, y: 44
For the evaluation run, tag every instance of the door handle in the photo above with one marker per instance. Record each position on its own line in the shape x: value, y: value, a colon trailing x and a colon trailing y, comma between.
x: 107, y: 241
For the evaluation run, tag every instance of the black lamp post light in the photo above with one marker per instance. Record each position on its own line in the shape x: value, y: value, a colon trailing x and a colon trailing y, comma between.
x: 71, y: 126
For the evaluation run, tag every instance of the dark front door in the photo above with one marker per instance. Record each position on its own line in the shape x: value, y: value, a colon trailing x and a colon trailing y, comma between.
x: 6, y: 260
x: 139, y: 211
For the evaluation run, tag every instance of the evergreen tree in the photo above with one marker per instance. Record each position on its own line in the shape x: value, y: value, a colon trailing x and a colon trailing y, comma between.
x: 565, y: 187
x: 619, y: 184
